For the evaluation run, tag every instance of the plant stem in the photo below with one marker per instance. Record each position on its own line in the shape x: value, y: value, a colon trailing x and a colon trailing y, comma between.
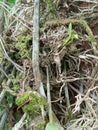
x: 35, y: 53
x: 20, y: 123
x: 67, y: 96
x: 2, y: 19
x: 3, y: 119
x: 49, y: 98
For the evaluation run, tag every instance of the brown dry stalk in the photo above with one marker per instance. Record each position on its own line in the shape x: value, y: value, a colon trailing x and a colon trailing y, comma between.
x: 86, y: 27
x: 2, y: 19
x: 94, y: 75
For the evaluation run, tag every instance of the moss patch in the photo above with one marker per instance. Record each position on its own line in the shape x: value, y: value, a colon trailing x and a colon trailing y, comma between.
x: 23, y: 46
x: 30, y: 101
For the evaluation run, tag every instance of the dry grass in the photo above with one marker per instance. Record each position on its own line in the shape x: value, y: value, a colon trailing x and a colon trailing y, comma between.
x: 73, y: 69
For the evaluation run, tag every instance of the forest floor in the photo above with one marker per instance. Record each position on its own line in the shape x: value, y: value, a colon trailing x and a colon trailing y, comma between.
x: 68, y: 48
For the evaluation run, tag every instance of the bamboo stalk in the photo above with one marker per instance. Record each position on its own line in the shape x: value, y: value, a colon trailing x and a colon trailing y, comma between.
x: 35, y: 53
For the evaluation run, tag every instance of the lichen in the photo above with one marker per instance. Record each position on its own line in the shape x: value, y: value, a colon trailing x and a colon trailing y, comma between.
x: 22, y: 45
x: 30, y: 101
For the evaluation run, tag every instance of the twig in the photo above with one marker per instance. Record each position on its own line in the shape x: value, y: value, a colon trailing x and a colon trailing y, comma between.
x: 2, y: 95
x: 94, y: 75
x: 49, y: 99
x: 4, y: 73
x: 20, y: 123
x: 4, y: 91
x: 88, y: 56
x: 87, y: 1
x: 14, y: 15
x: 76, y: 90
x: 72, y: 79
x: 2, y: 20
x: 2, y: 76
x: 18, y: 67
x: 3, y: 120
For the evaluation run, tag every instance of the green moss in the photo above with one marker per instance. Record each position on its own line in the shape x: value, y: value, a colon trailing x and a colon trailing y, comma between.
x: 22, y: 45
x: 50, y: 6
x: 40, y: 125
x: 30, y: 101
x: 15, y: 81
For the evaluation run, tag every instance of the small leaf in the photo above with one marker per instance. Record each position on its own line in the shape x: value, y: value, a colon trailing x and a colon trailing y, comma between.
x: 51, y: 126
x: 69, y: 38
x: 70, y: 29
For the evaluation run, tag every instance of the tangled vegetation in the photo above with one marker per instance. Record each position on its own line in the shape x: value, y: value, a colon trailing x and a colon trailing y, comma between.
x: 48, y: 65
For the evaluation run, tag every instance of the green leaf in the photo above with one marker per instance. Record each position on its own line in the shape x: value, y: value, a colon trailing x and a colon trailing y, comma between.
x: 10, y: 1
x: 68, y: 39
x: 70, y: 29
x: 71, y: 36
x: 51, y: 126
